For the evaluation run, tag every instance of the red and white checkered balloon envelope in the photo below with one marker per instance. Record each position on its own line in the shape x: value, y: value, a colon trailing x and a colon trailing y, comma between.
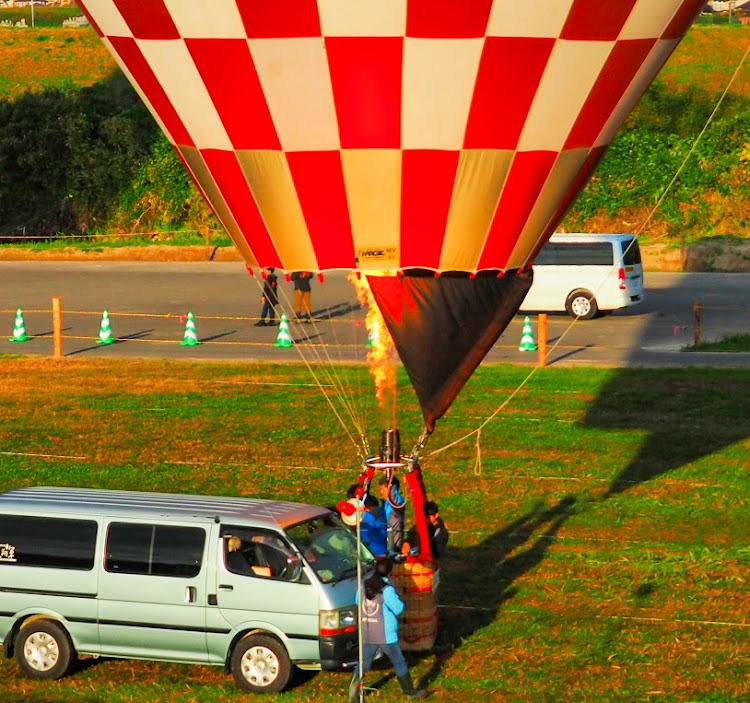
x: 418, y: 136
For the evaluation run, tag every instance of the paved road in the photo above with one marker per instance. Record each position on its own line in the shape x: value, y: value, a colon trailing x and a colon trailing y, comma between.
x: 147, y: 302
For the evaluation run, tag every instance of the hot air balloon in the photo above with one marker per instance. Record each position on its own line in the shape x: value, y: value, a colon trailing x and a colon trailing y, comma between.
x: 440, y: 140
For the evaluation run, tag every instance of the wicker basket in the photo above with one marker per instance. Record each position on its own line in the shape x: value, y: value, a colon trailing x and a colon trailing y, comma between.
x: 416, y: 582
x: 414, y: 576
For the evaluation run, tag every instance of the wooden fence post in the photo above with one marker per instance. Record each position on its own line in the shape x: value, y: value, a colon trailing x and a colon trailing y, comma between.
x: 697, y: 318
x: 57, y: 327
x: 542, y: 324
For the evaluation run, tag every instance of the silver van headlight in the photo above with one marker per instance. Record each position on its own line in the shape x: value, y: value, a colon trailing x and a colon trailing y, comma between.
x: 338, y: 622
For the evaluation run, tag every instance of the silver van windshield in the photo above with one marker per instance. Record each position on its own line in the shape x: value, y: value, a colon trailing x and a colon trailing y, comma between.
x: 329, y: 547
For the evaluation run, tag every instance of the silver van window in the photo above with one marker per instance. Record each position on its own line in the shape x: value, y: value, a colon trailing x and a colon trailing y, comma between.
x: 54, y: 543
x: 260, y: 554
x: 329, y: 547
x: 155, y: 550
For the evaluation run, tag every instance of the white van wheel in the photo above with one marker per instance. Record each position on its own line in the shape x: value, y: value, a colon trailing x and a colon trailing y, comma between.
x: 582, y: 304
x: 44, y: 650
x: 261, y: 664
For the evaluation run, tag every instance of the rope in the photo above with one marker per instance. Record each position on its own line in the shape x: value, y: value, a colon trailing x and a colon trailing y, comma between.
x: 679, y: 621
x: 478, y: 461
x: 44, y: 456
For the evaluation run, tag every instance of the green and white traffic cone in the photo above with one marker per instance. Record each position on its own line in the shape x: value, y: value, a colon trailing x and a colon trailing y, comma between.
x: 191, y: 336
x: 527, y: 337
x: 105, y: 331
x: 19, y: 329
x: 283, y: 338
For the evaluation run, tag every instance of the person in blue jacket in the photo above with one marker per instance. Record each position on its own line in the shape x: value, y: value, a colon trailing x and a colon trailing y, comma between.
x: 381, y: 608
x: 393, y: 512
x: 374, y: 530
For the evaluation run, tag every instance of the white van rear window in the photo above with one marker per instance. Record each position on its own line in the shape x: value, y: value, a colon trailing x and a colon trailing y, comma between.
x: 631, y: 252
x: 576, y: 254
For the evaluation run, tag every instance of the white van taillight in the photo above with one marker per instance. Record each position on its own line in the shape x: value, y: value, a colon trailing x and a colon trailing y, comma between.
x: 338, y: 622
x: 621, y: 275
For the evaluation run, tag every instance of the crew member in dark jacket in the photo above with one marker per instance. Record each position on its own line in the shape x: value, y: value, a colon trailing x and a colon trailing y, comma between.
x: 270, y: 298
x: 438, y: 532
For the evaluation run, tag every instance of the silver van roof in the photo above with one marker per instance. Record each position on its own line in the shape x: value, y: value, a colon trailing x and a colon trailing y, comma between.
x: 136, y: 504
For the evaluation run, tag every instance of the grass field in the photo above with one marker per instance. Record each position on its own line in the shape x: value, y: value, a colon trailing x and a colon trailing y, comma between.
x: 600, y: 548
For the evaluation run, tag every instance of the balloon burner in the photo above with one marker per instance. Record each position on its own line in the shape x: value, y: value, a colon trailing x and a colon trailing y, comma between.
x: 390, y: 446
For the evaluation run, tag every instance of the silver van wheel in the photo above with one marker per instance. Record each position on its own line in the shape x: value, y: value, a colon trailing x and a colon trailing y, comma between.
x: 261, y: 664
x: 43, y: 650
x: 582, y: 304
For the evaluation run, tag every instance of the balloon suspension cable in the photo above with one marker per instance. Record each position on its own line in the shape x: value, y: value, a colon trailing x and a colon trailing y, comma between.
x: 356, y: 411
x: 562, y: 336
x: 421, y: 443
x: 360, y: 601
x: 333, y: 380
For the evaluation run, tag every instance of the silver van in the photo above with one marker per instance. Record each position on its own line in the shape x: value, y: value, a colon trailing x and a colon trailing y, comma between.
x: 257, y: 586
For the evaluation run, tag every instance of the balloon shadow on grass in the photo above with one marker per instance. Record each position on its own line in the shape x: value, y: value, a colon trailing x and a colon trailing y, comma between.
x: 686, y: 419
x: 686, y: 414
x: 471, y: 599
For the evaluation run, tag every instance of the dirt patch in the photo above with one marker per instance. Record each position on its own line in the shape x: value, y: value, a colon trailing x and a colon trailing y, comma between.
x: 661, y: 257
x: 718, y: 254
x: 136, y: 253
x: 715, y: 254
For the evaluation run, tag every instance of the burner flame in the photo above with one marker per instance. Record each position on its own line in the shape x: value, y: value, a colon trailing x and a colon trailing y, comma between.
x: 381, y: 352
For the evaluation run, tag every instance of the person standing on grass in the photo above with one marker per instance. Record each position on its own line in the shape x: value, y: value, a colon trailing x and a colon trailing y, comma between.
x: 302, y: 293
x: 381, y: 608
x: 269, y: 299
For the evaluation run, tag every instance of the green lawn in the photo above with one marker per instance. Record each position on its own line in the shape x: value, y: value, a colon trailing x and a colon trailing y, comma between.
x: 730, y: 343
x: 601, y: 541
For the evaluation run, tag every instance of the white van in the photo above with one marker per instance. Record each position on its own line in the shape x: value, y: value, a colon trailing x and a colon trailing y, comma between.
x: 256, y: 586
x: 586, y: 274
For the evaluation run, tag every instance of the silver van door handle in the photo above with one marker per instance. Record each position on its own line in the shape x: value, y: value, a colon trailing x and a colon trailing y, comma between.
x: 225, y: 587
x: 191, y: 593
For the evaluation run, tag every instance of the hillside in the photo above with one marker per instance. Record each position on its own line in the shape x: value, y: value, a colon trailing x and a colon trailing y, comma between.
x: 80, y: 154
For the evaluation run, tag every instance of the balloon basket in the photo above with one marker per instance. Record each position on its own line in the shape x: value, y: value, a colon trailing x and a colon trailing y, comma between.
x: 416, y: 581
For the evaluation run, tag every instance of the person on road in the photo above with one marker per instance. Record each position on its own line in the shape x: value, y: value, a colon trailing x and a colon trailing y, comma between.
x: 302, y: 293
x: 381, y: 608
x: 269, y: 299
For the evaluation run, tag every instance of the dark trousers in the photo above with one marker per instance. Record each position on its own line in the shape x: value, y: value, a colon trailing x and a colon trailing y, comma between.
x: 269, y: 310
x: 392, y: 651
